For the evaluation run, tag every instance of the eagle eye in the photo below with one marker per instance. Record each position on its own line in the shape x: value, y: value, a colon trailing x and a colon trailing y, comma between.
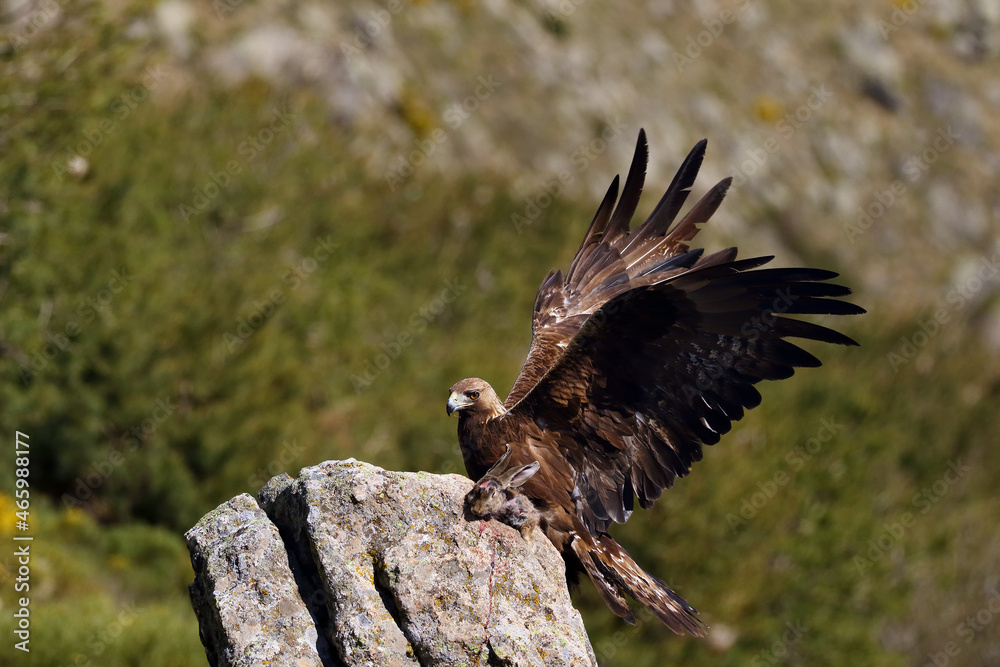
x: 474, y: 395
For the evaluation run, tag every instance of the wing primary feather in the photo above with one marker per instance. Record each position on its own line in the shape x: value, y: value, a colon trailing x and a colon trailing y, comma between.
x: 801, y: 329
x: 806, y: 289
x: 622, y: 217
x: 716, y: 258
x: 595, y: 232
x: 683, y: 261
x: 687, y: 228
x: 790, y: 353
x: 812, y: 306
x: 673, y: 199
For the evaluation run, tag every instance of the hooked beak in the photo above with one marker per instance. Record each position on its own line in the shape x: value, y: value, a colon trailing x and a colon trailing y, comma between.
x: 455, y: 402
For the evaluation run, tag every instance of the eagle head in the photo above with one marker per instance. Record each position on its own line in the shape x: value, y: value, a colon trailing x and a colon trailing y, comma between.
x: 474, y: 396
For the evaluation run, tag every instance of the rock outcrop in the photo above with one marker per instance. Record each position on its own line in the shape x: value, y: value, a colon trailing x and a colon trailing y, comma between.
x: 350, y: 564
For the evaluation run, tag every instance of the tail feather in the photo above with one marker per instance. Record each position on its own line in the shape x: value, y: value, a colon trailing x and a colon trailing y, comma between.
x: 614, y: 572
x: 609, y: 590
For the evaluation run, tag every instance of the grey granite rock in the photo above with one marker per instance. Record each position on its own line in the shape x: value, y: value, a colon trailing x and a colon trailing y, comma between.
x: 248, y: 604
x: 384, y: 567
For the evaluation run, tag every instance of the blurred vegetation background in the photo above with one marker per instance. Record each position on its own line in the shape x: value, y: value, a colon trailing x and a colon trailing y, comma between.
x: 244, y: 236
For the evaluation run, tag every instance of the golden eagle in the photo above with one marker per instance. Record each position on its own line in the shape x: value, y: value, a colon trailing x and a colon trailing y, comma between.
x: 642, y: 353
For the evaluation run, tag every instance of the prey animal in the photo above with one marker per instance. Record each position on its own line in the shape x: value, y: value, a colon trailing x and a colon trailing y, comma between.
x: 644, y: 351
x: 496, y: 495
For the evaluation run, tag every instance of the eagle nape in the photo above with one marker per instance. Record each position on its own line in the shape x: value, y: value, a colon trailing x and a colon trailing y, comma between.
x: 641, y: 354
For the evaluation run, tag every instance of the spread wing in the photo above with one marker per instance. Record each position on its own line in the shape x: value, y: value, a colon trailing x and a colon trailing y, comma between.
x: 646, y: 351
x: 612, y: 260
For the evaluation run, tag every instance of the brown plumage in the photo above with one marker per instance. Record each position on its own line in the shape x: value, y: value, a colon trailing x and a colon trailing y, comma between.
x: 642, y: 353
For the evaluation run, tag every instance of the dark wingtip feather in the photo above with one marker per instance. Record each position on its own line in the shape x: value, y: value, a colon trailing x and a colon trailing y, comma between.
x: 850, y: 342
x: 621, y: 219
x: 597, y: 226
x: 669, y: 205
x: 786, y: 327
x: 792, y: 354
x: 683, y: 261
x: 746, y: 264
x: 701, y: 212
x: 718, y: 266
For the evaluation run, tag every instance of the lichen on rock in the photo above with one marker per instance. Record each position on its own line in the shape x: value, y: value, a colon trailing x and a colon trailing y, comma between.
x: 363, y: 566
